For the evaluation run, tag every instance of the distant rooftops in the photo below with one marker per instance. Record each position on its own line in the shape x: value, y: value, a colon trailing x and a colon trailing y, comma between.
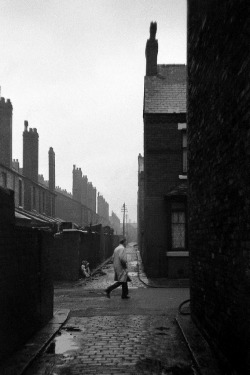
x: 166, y: 92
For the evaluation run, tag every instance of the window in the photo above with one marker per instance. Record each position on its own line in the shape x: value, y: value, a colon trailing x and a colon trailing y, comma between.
x: 184, y: 151
x: 178, y: 223
x: 20, y: 192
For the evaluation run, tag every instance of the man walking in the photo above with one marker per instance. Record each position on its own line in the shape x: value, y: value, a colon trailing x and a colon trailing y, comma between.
x: 121, y: 270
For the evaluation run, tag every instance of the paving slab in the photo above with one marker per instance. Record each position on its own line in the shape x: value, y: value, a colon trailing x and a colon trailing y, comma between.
x: 21, y: 359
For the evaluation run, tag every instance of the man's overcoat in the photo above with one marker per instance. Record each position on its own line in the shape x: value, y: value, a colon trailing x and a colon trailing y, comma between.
x: 120, y: 264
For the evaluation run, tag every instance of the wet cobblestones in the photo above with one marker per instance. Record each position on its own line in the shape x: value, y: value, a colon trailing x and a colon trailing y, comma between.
x: 113, y: 336
x: 116, y: 345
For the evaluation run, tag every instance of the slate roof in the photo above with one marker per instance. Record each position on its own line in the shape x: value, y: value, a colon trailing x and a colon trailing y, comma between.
x: 34, y: 218
x: 166, y: 92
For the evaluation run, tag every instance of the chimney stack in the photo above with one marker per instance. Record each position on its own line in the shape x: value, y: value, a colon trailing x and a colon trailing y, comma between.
x: 6, y: 132
x: 77, y: 184
x: 52, y: 174
x: 152, y: 51
x: 30, y: 152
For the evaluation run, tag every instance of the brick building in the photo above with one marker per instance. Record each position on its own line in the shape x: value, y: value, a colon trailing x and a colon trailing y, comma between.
x: 33, y: 194
x: 80, y: 206
x: 103, y: 210
x: 219, y: 175
x: 30, y: 194
x: 140, y: 204
x: 115, y: 223
x: 165, y: 249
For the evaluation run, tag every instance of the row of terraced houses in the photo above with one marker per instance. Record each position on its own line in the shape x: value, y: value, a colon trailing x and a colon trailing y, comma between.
x: 39, y: 202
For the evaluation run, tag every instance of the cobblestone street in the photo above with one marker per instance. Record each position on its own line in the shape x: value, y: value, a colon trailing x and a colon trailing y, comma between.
x: 115, y: 336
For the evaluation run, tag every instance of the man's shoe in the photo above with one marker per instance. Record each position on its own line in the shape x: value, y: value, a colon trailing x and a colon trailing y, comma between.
x: 125, y: 297
x: 107, y: 293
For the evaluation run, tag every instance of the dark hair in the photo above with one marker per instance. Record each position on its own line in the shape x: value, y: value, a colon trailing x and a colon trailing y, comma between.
x: 123, y: 240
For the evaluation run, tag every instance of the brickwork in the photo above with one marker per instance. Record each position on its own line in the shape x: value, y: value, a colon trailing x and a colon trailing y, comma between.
x: 38, y: 198
x: 163, y: 164
x: 219, y: 181
x: 163, y: 153
x: 6, y: 132
x: 163, y: 109
x: 26, y: 291
x: 14, y: 181
x: 73, y: 246
x: 28, y: 194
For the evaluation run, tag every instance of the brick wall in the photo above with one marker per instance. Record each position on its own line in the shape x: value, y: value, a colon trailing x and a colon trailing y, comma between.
x: 73, y: 246
x: 65, y: 256
x: 26, y: 289
x: 162, y: 167
x: 38, y: 198
x: 219, y: 177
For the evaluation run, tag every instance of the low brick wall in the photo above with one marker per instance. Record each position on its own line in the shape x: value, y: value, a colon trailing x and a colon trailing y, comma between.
x: 73, y: 246
x: 26, y: 287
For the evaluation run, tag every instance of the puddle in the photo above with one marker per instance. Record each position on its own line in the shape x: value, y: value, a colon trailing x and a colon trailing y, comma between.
x: 62, y: 344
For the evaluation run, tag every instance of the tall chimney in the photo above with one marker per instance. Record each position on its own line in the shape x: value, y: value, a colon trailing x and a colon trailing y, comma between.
x: 52, y: 173
x: 30, y: 152
x: 6, y: 132
x: 77, y: 184
x: 152, y: 51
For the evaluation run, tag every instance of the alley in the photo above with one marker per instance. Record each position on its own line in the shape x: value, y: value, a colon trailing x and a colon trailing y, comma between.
x: 115, y: 336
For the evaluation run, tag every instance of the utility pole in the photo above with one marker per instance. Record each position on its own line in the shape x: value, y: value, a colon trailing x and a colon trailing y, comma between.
x: 126, y: 227
x: 124, y: 210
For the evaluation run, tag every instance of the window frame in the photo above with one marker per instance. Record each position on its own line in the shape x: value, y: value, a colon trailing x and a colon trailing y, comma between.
x: 183, y: 225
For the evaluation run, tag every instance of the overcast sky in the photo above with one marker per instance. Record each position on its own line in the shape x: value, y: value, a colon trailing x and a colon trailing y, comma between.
x: 75, y: 70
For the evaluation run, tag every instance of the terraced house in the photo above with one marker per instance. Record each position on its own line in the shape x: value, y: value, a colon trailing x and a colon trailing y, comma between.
x: 164, y: 242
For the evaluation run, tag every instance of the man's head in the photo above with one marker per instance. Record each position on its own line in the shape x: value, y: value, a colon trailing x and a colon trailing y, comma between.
x: 123, y: 241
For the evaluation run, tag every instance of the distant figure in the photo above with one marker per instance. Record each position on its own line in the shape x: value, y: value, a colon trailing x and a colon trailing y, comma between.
x: 121, y: 270
x: 85, y: 270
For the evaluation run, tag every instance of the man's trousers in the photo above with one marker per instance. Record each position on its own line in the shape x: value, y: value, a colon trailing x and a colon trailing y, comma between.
x: 116, y: 285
